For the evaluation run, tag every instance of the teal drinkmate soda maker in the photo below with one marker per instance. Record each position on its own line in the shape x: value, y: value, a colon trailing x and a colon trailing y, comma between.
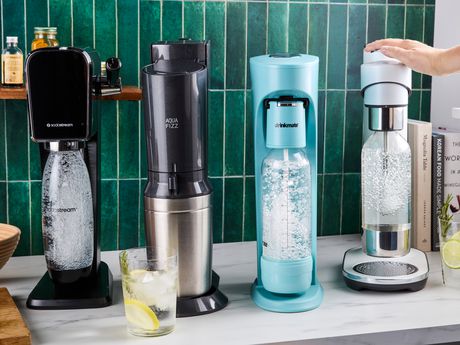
x: 285, y: 92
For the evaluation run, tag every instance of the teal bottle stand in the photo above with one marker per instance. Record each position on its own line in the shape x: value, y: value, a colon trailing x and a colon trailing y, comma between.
x: 290, y: 286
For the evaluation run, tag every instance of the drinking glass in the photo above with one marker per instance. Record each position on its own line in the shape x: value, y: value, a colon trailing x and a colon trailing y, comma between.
x: 449, y: 240
x: 149, y: 281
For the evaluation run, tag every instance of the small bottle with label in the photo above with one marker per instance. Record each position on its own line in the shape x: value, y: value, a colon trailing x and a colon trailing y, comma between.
x: 12, y: 63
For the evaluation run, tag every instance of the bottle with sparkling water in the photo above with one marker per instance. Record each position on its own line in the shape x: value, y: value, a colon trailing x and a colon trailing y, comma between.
x: 286, y: 187
x: 67, y: 211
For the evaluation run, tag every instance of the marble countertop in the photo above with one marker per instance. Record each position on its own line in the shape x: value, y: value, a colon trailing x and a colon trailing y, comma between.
x: 345, y: 317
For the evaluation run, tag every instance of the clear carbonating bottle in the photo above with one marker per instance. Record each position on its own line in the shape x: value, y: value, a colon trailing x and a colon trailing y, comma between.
x: 286, y: 187
x: 386, y: 183
x: 67, y: 208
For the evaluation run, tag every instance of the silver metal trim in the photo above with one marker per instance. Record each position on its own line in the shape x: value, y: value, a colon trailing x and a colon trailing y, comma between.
x: 386, y: 119
x: 387, y: 243
x: 415, y: 257
x: 64, y: 145
x: 177, y: 205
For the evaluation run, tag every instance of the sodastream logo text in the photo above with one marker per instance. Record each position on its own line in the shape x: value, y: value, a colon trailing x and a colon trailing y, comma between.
x: 286, y: 125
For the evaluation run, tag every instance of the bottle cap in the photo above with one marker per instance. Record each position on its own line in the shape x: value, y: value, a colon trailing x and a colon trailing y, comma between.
x: 51, y: 30
x: 11, y: 39
x: 456, y: 113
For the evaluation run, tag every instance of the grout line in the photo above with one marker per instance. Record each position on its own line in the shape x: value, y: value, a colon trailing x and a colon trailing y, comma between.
x: 6, y: 159
x: 325, y: 112
x: 322, y: 90
x: 244, y: 123
x: 287, y: 26
x: 161, y: 19
x: 307, y: 48
x: 139, y: 136
x: 3, y: 30
x: 367, y: 21
x: 183, y: 15
x: 386, y: 18
x: 118, y: 134
x: 48, y: 11
x: 94, y: 24
x: 344, y: 118
x: 26, y: 48
x: 71, y: 23
x: 267, y: 15
x: 204, y: 20
x: 224, y: 120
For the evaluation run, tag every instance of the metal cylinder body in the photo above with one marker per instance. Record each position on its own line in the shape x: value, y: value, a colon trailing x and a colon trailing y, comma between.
x: 187, y: 225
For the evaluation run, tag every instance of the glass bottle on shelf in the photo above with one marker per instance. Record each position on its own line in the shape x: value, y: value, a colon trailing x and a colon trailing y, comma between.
x: 12, y: 64
x: 44, y: 37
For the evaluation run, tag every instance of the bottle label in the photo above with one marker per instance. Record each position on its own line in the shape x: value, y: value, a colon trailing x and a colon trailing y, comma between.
x: 12, y: 68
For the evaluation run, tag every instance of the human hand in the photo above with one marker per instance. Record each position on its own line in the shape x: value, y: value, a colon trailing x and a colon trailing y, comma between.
x: 418, y: 56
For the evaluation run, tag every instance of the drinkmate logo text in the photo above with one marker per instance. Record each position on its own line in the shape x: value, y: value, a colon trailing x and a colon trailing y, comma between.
x: 68, y: 209
x: 172, y: 123
x: 286, y: 125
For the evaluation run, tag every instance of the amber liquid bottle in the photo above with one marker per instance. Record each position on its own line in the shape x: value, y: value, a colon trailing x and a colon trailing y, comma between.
x: 12, y: 64
x: 44, y: 37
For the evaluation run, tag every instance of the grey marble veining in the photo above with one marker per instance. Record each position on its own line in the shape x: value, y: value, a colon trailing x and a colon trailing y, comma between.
x: 345, y: 317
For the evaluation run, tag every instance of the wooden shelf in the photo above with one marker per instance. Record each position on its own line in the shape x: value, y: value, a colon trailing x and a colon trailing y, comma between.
x: 129, y: 93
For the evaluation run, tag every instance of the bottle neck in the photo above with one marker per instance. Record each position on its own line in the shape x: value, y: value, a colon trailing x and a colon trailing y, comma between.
x: 11, y: 45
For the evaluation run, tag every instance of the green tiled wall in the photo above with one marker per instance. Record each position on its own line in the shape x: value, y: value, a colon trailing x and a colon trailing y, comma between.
x: 334, y: 30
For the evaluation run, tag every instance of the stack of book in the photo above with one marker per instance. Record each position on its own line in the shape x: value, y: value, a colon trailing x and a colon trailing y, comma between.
x: 436, y: 173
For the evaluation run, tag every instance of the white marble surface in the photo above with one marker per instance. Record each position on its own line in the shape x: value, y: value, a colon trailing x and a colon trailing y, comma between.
x: 344, y: 312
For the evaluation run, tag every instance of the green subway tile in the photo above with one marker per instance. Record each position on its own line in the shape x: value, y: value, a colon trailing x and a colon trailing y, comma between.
x: 351, y: 222
x: 356, y: 42
x: 396, y: 2
x: 319, y: 203
x: 426, y: 81
x: 425, y: 110
x: 233, y: 225
x: 429, y: 2
x: 334, y: 132
x: 144, y: 165
x: 416, y: 2
x: 35, y: 168
x: 13, y: 21
x: 236, y: 45
x: 317, y: 17
x: 377, y: 1
x: 215, y: 132
x: 172, y: 20
x: 60, y: 11
x: 298, y: 28
x: 217, y: 187
x: 109, y: 214
x: 376, y: 23
x: 19, y: 214
x: 234, y: 132
x: 108, y: 142
x: 414, y: 30
x: 193, y: 20
x: 128, y: 201
x: 2, y: 141
x: 277, y: 27
x: 37, y: 15
x: 249, y: 168
x: 414, y: 105
x: 249, y: 210
x: 331, y: 204
x: 353, y: 132
x: 321, y: 116
x: 128, y: 136
x: 36, y: 218
x: 215, y: 32
x: 128, y: 40
x: 357, y: 1
x: 150, y: 27
x: 257, y: 31
x: 141, y: 239
x: 105, y: 17
x: 428, y: 39
x: 83, y: 23
x: 17, y: 140
x: 337, y: 44
x: 395, y: 22
x: 3, y: 201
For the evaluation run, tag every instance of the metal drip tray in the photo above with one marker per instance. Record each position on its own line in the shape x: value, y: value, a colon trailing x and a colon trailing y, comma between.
x: 385, y: 268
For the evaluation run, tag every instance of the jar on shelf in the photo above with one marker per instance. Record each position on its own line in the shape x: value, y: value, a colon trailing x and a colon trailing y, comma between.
x: 12, y: 63
x: 45, y: 37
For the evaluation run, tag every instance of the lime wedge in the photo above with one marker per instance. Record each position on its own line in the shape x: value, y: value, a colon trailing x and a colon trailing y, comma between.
x: 456, y: 236
x: 141, y: 315
x: 450, y: 252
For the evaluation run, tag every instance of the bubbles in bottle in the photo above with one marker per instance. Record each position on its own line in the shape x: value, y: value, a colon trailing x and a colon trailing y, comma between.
x: 286, y: 185
x: 67, y: 211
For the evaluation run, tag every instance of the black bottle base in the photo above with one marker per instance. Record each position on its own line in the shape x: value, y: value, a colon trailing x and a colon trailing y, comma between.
x: 87, y: 293
x: 411, y: 287
x: 211, y: 301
